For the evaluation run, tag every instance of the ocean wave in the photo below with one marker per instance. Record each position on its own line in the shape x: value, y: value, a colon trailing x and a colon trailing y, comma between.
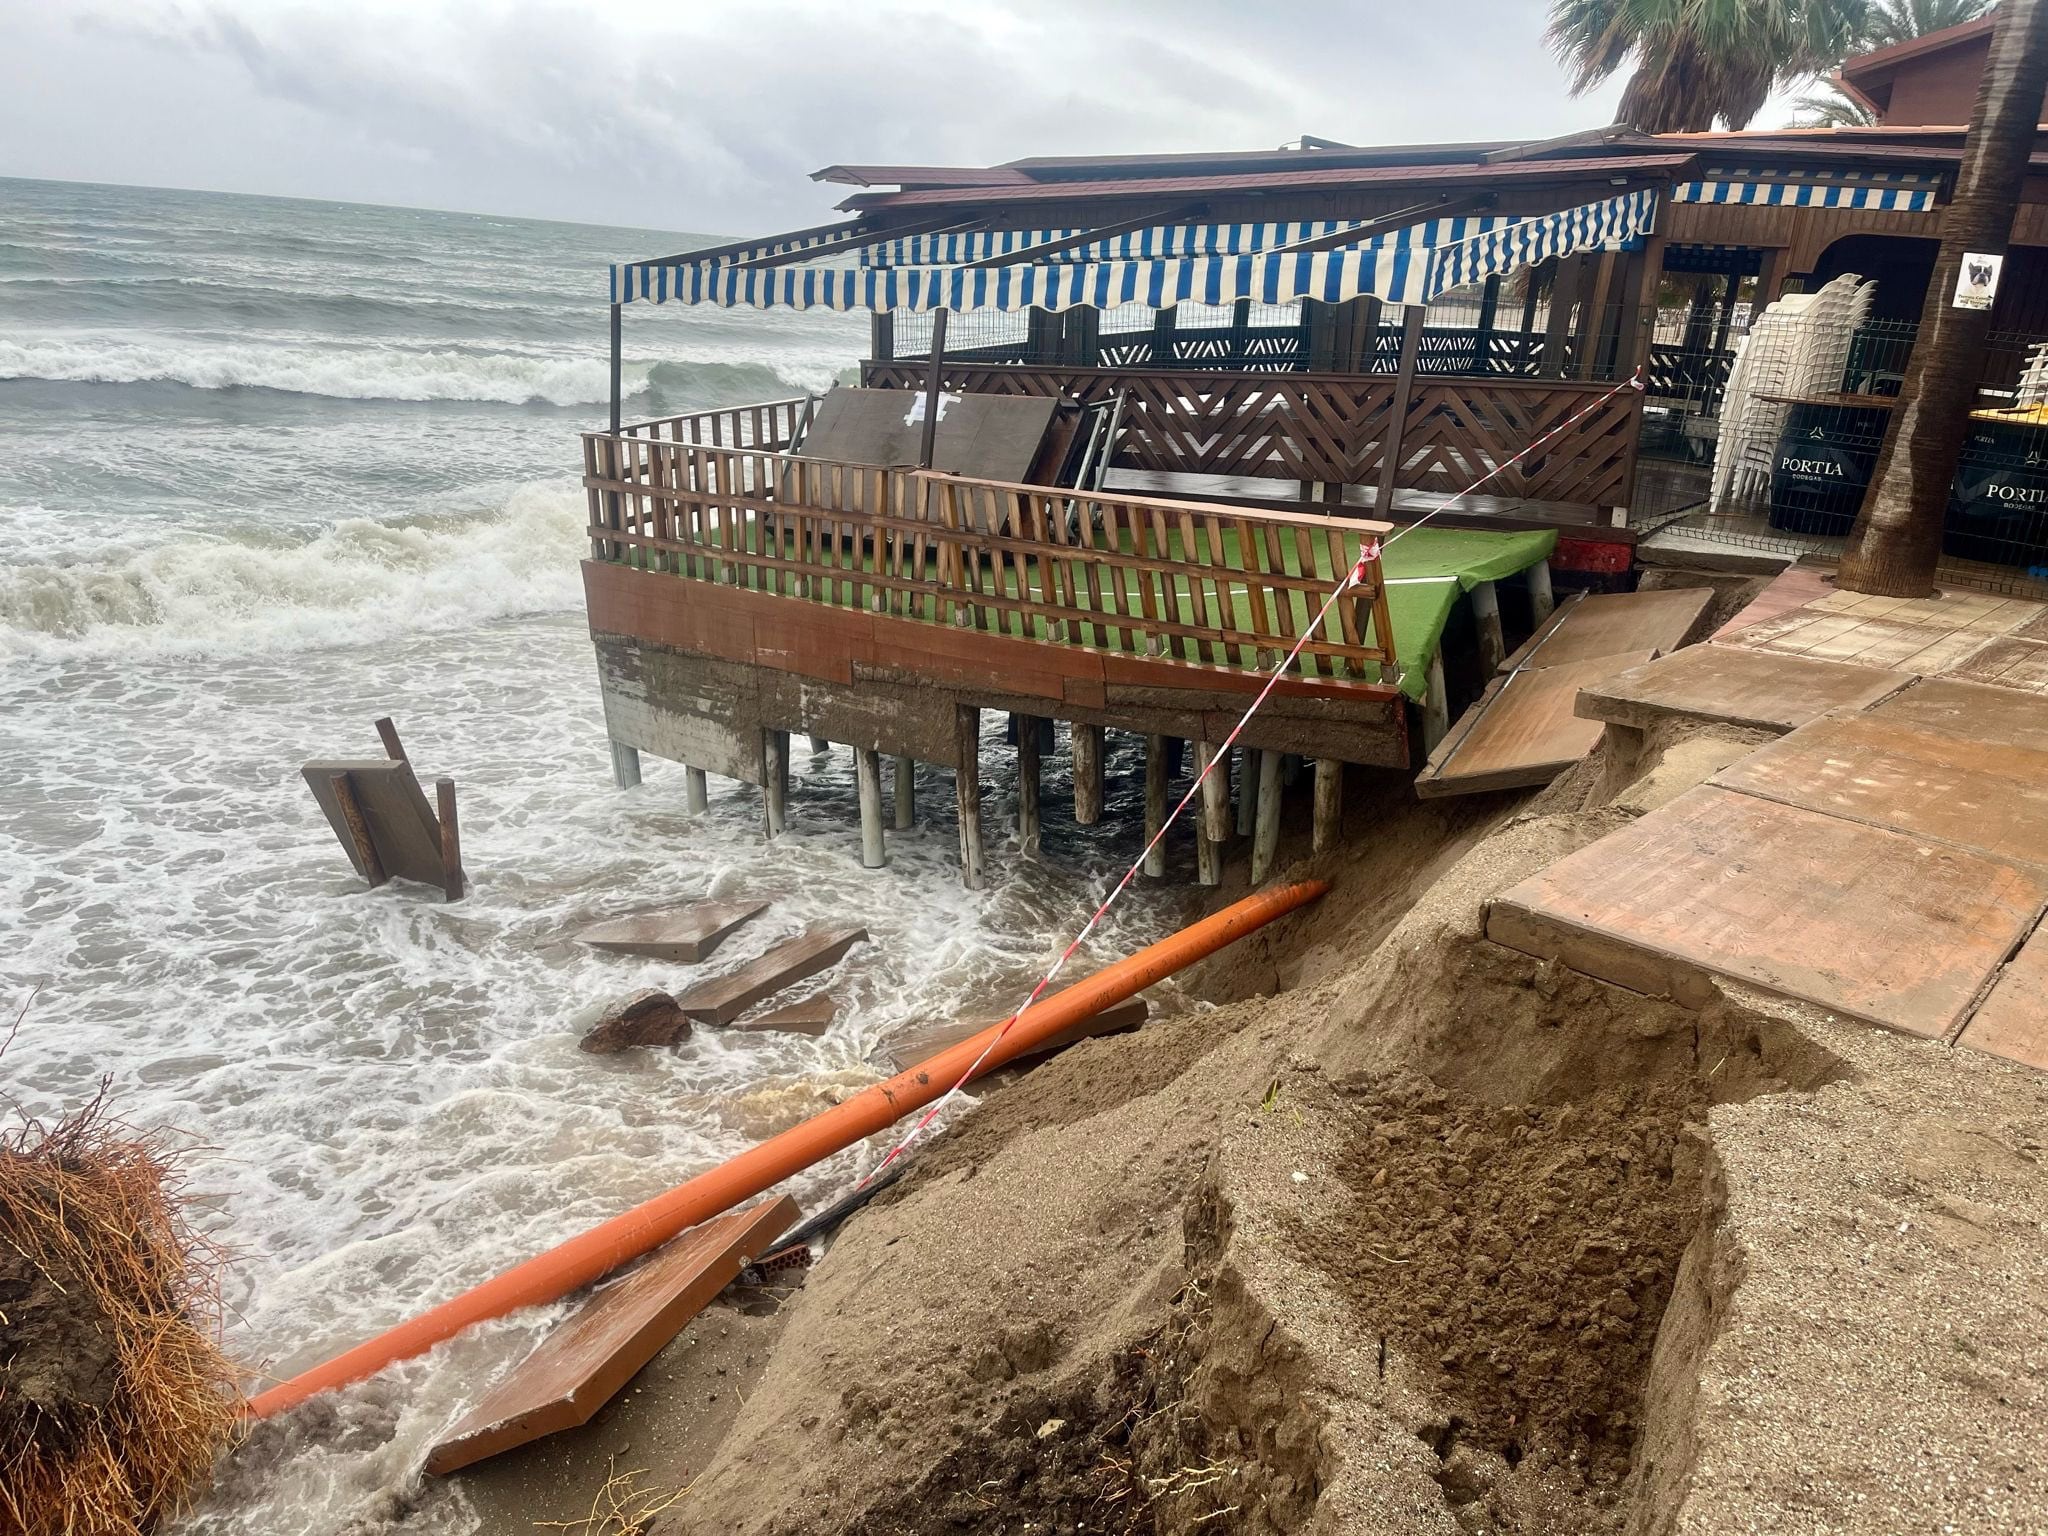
x: 340, y: 372
x: 199, y: 595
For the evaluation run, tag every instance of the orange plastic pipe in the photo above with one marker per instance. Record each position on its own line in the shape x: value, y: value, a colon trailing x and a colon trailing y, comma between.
x: 593, y: 1254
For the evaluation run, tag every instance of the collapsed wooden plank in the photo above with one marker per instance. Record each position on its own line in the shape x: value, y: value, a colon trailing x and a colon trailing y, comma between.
x: 1522, y: 732
x: 577, y: 1368
x: 724, y: 998
x: 395, y: 814
x: 686, y: 935
x: 1616, y: 623
x: 812, y: 1016
x: 907, y: 1047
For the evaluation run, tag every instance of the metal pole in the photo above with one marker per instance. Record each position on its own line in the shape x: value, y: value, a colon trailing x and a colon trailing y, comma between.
x: 931, y: 388
x: 616, y: 311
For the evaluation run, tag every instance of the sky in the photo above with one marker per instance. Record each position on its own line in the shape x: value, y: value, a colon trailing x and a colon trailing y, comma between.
x: 689, y: 115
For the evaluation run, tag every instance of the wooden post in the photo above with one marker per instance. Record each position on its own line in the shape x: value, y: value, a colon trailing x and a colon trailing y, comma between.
x: 625, y: 765
x: 933, y: 373
x: 1770, y: 279
x: 1208, y: 859
x: 775, y: 779
x: 1155, y: 803
x: 1541, y: 600
x: 1564, y: 294
x: 882, y: 336
x: 1397, y: 415
x: 867, y: 773
x: 1087, y: 774
x: 1482, y: 340
x: 1215, y: 793
x: 618, y: 361
x: 1329, y: 819
x: 388, y: 734
x: 1248, y: 769
x: 1266, y: 831
x: 344, y: 789
x: 967, y: 790
x: 905, y: 788
x: 696, y: 792
x: 1593, y: 313
x: 1162, y: 337
x: 452, y: 881
x: 1027, y: 782
x: 1493, y: 648
x: 1436, y: 709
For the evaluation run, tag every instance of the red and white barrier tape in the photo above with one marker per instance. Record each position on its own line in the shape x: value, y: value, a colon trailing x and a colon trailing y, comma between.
x: 1370, y: 551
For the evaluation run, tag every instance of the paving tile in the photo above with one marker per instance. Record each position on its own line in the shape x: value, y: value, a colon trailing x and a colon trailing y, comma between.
x: 1978, y: 710
x: 2013, y: 1021
x: 1735, y: 685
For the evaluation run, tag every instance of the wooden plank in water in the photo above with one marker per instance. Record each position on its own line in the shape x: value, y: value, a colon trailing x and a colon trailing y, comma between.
x: 919, y: 1042
x: 687, y: 934
x: 812, y: 1016
x: 1736, y: 686
x: 1521, y: 732
x: 722, y: 999
x: 1868, y: 922
x: 2013, y: 1021
x: 1614, y: 624
x: 619, y: 1328
x: 401, y: 824
x: 1913, y: 779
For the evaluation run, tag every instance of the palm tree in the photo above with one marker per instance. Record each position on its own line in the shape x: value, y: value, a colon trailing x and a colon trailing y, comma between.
x: 1832, y: 107
x: 1695, y: 61
x: 1896, y: 543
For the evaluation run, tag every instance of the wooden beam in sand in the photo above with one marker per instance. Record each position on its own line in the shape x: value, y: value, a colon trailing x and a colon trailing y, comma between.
x: 812, y: 1016
x: 687, y: 935
x: 581, y: 1365
x: 722, y: 999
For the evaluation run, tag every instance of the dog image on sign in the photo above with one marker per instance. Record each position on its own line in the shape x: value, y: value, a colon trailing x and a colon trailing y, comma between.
x: 1977, y: 282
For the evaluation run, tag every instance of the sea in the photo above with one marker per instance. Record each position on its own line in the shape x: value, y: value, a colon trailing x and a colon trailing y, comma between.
x: 271, y: 469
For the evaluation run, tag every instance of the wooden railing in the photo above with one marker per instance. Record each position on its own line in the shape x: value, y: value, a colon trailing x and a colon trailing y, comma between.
x: 770, y: 424
x: 1187, y: 581
x: 1338, y: 428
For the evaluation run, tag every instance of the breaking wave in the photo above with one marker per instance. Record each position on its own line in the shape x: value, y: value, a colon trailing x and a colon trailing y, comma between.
x: 356, y: 580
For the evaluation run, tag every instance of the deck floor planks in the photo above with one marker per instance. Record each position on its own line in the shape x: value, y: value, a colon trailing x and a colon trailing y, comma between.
x: 686, y: 935
x: 1910, y: 778
x: 620, y: 1327
x: 2013, y: 1020
x: 1737, y: 686
x: 1614, y: 624
x: 1977, y: 710
x: 721, y: 999
x: 1859, y: 919
x: 1523, y: 732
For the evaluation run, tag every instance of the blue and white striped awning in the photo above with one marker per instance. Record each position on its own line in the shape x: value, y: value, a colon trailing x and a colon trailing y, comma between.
x: 1896, y: 193
x: 1161, y: 240
x: 1407, y: 266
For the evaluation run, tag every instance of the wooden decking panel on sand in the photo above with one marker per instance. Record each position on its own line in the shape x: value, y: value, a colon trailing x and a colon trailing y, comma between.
x: 1996, y: 715
x: 1910, y: 778
x: 1615, y: 624
x: 1865, y: 921
x: 2013, y: 1020
x: 724, y: 998
x: 622, y: 1326
x: 687, y: 934
x: 1522, y: 731
x: 1736, y: 686
x: 921, y: 1042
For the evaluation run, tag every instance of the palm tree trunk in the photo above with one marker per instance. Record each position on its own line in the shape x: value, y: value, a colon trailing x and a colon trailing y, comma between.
x: 1897, y: 538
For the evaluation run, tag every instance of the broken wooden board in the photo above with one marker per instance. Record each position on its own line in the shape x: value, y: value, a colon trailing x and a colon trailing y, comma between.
x: 1614, y: 624
x: 1910, y: 778
x: 686, y: 935
x: 2013, y: 1020
x: 920, y: 1042
x: 1522, y: 731
x: 1868, y: 922
x: 1734, y: 686
x: 402, y: 826
x: 812, y: 1016
x: 618, y: 1329
x: 724, y: 998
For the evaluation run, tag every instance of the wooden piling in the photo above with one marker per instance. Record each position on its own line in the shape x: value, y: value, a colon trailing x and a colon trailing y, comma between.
x: 1541, y: 599
x: 452, y: 881
x: 1493, y: 647
x: 696, y: 790
x: 775, y: 779
x: 1028, y: 765
x: 905, y: 788
x: 1436, y: 707
x: 867, y: 773
x: 1208, y: 859
x: 967, y: 791
x: 1216, y: 825
x: 1266, y: 831
x: 358, y: 830
x: 1087, y: 774
x: 1248, y: 767
x: 388, y: 734
x: 1329, y: 817
x: 1155, y: 804
x: 625, y: 765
